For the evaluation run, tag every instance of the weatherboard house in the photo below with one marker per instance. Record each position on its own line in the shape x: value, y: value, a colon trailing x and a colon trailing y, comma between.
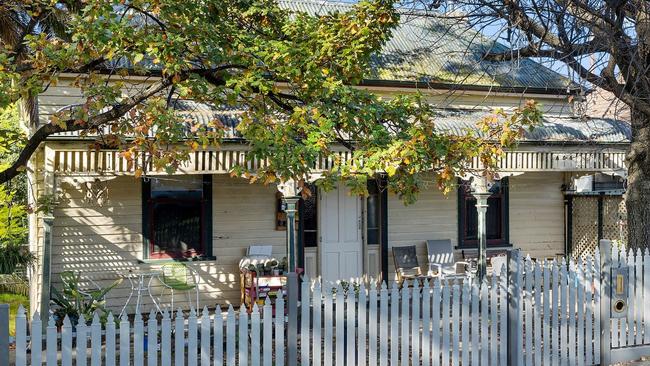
x: 559, y: 191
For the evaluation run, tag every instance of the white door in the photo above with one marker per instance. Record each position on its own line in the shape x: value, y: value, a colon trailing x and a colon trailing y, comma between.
x: 341, y: 256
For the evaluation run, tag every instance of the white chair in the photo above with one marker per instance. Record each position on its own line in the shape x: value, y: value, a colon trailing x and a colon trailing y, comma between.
x: 440, y: 254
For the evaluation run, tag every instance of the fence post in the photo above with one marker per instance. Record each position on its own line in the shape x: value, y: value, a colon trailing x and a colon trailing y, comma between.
x: 292, y: 315
x: 514, y: 307
x: 605, y: 308
x: 4, y: 334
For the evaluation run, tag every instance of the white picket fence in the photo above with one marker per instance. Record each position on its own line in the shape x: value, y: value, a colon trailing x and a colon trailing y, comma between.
x: 553, y: 307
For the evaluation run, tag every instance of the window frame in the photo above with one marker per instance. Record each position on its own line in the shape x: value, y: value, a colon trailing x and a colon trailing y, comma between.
x: 463, y: 196
x: 205, y: 223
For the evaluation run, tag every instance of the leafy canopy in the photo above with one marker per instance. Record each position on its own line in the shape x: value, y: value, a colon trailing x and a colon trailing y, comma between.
x: 292, y: 75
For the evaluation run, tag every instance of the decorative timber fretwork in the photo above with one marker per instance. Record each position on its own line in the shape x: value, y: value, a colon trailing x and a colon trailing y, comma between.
x: 77, y: 161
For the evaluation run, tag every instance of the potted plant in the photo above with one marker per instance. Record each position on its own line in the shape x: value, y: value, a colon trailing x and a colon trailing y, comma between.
x: 74, y: 302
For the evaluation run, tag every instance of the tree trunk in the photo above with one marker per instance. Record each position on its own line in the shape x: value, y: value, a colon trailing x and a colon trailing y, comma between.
x: 637, y: 197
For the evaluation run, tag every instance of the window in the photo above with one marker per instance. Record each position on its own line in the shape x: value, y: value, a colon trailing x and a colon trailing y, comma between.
x: 177, y: 216
x: 308, y: 216
x: 373, y: 213
x: 497, y: 216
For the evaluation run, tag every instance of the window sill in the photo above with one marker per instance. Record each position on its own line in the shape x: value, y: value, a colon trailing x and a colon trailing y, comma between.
x: 173, y: 260
x: 489, y: 248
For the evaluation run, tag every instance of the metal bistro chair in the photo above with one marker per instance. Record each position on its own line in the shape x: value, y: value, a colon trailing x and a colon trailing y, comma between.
x: 406, y: 264
x: 180, y: 277
x: 441, y: 260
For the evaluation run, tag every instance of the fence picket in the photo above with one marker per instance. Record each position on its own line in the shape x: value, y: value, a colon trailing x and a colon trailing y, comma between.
x: 435, y: 322
x: 537, y: 313
x: 243, y: 336
x: 66, y: 344
x: 555, y: 320
x: 455, y: 322
x: 138, y: 339
x: 82, y: 342
x: 217, y: 331
x: 528, y: 312
x: 179, y: 339
x: 255, y: 336
x: 445, y: 348
x: 564, y: 356
x: 231, y: 336
x: 404, y: 322
x: 493, y: 321
x: 426, y: 324
x: 36, y: 340
x: 589, y: 336
x: 503, y: 318
x: 339, y: 342
x: 316, y: 327
x: 361, y: 337
x: 304, y: 321
x: 485, y: 316
x: 415, y: 324
x: 50, y: 342
x: 372, y: 325
x: 475, y: 353
x: 192, y: 345
x: 166, y: 339
x: 205, y: 337
x: 267, y: 333
x: 465, y: 342
x: 630, y: 304
x: 394, y: 325
x: 152, y: 338
x: 580, y: 326
x: 328, y: 330
x: 638, y: 297
x: 350, y: 322
x: 383, y: 325
x: 279, y: 331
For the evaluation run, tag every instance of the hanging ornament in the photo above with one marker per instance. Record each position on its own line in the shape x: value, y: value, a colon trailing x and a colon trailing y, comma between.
x: 95, y: 192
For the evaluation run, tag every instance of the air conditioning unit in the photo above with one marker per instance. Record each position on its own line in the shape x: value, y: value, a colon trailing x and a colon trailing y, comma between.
x: 584, y: 184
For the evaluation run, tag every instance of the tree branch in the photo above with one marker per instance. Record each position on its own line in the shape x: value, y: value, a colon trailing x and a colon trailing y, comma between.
x: 97, y: 121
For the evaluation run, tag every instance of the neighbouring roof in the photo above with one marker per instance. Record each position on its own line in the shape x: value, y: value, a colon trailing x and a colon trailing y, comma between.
x: 437, y: 50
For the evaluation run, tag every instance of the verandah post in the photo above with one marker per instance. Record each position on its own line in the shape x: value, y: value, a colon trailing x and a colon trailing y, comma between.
x: 514, y: 308
x: 605, y: 294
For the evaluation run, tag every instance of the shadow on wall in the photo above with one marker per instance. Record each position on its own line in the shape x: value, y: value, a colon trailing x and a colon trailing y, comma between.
x: 105, y: 243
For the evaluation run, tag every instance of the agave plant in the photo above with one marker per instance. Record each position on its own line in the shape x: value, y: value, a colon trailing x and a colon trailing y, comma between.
x: 12, y: 255
x: 74, y: 302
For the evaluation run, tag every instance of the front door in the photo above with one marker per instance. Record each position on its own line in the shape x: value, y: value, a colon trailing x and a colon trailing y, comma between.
x: 341, y: 255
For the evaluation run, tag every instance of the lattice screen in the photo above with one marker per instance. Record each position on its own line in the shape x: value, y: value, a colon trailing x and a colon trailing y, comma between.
x: 614, y: 219
x: 585, y: 225
x: 585, y: 222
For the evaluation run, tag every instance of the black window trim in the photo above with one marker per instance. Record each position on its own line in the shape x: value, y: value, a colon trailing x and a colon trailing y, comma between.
x: 206, y: 221
x: 505, y: 218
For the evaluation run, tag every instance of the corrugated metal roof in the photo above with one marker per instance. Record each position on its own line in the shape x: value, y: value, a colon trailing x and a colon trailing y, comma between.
x: 553, y: 128
x: 438, y: 50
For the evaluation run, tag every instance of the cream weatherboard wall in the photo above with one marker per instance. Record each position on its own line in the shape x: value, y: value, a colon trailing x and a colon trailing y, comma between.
x: 108, y: 240
x: 536, y: 218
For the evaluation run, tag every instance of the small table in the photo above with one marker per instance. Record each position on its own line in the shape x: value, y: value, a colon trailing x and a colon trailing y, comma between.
x: 140, y: 284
